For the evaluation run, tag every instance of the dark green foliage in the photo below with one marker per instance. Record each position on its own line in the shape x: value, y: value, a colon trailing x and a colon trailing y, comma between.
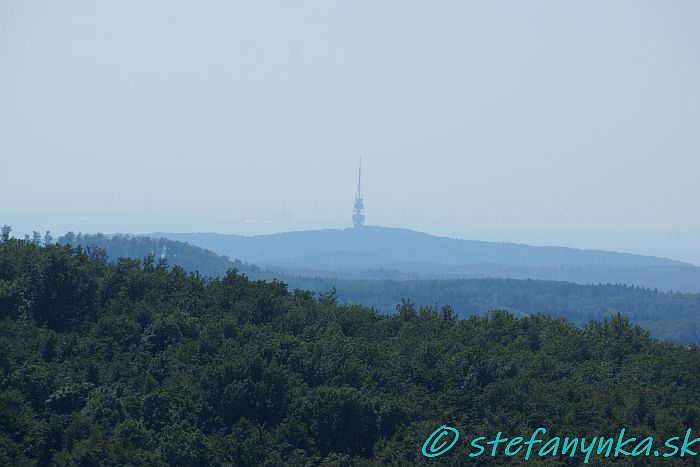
x: 669, y: 316
x: 136, y: 363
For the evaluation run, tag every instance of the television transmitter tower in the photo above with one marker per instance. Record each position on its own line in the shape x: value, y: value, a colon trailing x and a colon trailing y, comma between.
x: 358, y: 213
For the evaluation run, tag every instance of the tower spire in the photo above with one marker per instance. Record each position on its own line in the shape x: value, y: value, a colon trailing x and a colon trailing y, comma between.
x: 358, y: 213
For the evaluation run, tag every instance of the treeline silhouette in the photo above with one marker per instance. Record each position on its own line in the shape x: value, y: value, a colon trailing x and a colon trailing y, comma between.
x: 190, y: 257
x: 667, y: 315
x: 137, y: 363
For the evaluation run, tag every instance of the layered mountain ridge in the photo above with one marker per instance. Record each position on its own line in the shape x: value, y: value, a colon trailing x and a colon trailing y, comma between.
x: 381, y: 252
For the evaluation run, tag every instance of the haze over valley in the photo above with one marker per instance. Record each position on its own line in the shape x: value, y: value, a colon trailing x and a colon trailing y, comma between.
x: 669, y: 316
x: 379, y: 252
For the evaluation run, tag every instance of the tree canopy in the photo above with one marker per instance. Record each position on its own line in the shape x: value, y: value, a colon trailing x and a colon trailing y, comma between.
x: 134, y: 362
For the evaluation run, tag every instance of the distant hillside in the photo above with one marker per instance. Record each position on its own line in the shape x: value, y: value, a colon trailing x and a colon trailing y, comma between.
x: 190, y: 257
x: 379, y: 252
x: 669, y: 316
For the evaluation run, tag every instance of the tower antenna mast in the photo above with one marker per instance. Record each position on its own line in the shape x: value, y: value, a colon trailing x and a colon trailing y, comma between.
x: 358, y: 213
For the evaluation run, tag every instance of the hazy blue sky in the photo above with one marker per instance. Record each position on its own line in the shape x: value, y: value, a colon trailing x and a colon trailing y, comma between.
x: 561, y: 122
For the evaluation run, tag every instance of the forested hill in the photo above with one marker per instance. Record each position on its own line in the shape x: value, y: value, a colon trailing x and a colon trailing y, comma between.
x: 407, y: 245
x: 389, y: 253
x: 133, y: 363
x: 190, y: 257
x: 670, y: 316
